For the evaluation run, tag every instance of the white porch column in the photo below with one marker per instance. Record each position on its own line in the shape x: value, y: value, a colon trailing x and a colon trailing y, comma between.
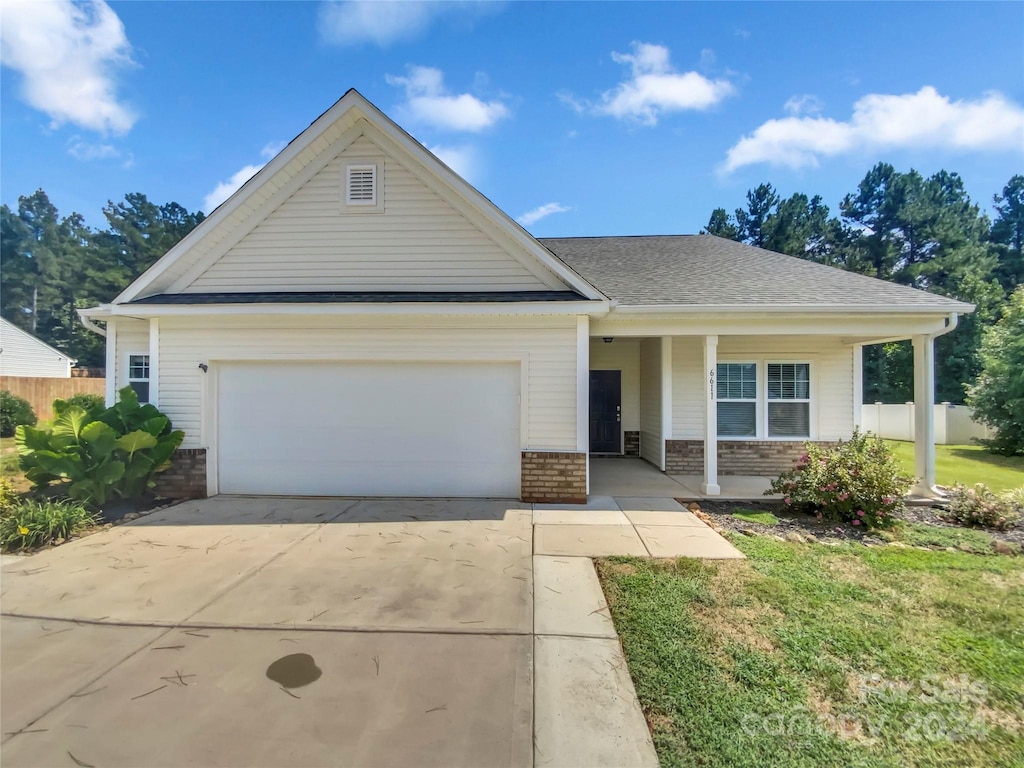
x: 111, y: 371
x: 710, y: 485
x: 154, y: 361
x: 924, y: 415
x: 858, y: 386
x: 583, y: 389
x: 666, y: 396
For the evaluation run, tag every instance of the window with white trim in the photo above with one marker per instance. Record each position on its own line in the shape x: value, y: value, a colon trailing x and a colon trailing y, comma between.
x: 138, y: 376
x: 789, y: 399
x: 757, y: 399
x: 737, y: 399
x: 361, y: 184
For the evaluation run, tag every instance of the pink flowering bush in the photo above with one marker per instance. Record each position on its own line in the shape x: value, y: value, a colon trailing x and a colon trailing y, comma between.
x: 978, y: 506
x: 857, y: 482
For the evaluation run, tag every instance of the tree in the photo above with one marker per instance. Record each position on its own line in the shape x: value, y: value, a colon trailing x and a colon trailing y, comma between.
x: 721, y: 224
x: 998, y: 395
x: 751, y: 223
x: 1008, y: 233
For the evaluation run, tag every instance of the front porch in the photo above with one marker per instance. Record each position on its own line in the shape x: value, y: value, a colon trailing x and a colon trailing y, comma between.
x: 636, y: 478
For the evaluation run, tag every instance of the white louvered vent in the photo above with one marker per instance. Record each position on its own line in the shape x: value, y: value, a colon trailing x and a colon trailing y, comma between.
x: 361, y: 185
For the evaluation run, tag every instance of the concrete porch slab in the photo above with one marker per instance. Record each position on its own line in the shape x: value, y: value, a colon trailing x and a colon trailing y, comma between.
x: 381, y: 699
x: 567, y: 598
x: 631, y: 477
x: 587, y: 540
x: 587, y: 713
x: 579, y: 517
x: 734, y: 487
x: 686, y: 541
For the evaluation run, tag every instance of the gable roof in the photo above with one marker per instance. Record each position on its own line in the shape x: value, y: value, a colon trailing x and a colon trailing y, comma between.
x: 19, y: 341
x: 694, y: 272
x: 349, y: 118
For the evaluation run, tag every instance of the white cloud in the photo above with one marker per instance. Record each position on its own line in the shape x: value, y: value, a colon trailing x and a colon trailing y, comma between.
x: 80, y: 149
x: 228, y: 187
x: 463, y: 160
x: 68, y: 55
x: 654, y: 88
x: 922, y: 120
x: 428, y: 102
x: 805, y: 104
x: 542, y: 212
x: 384, y: 22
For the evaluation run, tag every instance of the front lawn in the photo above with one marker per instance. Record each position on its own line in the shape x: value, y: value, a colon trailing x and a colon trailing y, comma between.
x: 808, y: 655
x: 967, y: 464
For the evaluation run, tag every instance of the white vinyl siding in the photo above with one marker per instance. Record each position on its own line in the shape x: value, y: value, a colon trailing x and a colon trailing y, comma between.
x: 547, y: 344
x: 621, y: 354
x: 22, y: 354
x: 419, y: 243
x: 652, y: 442
x: 132, y: 339
x: 831, y: 370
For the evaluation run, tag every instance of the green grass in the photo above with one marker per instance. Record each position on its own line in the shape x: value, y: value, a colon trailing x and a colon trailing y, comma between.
x: 921, y: 535
x: 757, y: 662
x: 967, y: 464
x: 755, y: 516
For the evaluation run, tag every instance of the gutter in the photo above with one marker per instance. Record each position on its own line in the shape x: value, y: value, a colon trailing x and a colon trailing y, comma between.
x: 90, y: 324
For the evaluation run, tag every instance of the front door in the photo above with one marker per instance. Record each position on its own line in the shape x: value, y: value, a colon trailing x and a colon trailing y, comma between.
x: 605, y: 411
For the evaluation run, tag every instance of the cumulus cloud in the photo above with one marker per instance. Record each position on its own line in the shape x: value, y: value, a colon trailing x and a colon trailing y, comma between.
x: 229, y: 186
x: 922, y: 120
x: 383, y: 22
x: 542, y: 212
x: 654, y: 88
x: 427, y: 101
x: 68, y: 55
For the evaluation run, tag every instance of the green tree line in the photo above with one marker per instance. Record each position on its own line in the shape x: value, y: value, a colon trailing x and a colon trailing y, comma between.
x: 52, y: 265
x: 919, y: 231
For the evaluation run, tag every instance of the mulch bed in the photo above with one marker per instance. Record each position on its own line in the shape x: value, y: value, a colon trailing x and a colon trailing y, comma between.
x: 720, y: 515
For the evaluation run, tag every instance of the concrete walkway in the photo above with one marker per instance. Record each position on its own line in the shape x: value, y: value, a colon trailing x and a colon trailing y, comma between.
x: 636, y: 478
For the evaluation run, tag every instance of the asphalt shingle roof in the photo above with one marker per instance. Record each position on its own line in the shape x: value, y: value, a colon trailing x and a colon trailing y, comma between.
x: 704, y: 270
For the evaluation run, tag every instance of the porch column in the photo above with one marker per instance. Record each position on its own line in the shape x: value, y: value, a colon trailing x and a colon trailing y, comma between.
x: 924, y: 416
x: 111, y: 370
x: 666, y: 396
x: 583, y: 389
x: 154, y: 361
x: 710, y: 485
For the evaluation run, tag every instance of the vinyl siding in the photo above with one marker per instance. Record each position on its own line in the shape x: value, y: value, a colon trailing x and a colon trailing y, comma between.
x: 652, y: 443
x: 132, y: 339
x: 548, y: 344
x: 621, y: 355
x: 22, y: 354
x: 831, y: 378
x: 312, y: 242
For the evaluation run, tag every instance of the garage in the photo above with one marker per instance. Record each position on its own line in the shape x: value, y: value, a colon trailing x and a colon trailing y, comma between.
x: 369, y: 429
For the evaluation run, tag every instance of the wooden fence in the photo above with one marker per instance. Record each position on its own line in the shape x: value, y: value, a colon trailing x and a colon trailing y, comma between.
x: 41, y: 391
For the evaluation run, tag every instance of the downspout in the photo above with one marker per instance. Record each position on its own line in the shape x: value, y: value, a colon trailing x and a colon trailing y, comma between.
x: 91, y: 324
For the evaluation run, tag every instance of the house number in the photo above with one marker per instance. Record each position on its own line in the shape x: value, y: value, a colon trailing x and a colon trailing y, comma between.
x: 711, y: 384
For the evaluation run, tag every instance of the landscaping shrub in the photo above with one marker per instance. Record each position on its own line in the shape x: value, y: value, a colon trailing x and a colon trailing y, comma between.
x: 857, y: 482
x: 32, y: 523
x: 8, y: 496
x: 114, y: 454
x: 94, y: 405
x: 14, y: 411
x: 980, y: 507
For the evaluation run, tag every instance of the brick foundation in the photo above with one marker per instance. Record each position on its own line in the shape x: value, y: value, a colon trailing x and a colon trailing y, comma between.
x: 185, y: 478
x: 632, y: 443
x: 554, y: 477
x: 736, y: 457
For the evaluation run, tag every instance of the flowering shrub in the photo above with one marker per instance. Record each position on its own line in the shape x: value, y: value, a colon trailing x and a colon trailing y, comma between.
x: 978, y: 506
x: 857, y: 482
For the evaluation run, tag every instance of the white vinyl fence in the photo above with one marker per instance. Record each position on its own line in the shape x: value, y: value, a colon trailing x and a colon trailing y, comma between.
x: 954, y: 424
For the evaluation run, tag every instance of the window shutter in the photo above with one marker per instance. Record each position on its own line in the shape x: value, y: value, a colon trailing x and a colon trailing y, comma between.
x: 361, y: 185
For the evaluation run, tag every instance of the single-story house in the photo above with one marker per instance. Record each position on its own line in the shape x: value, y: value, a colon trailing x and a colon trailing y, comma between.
x: 358, y: 320
x: 22, y: 354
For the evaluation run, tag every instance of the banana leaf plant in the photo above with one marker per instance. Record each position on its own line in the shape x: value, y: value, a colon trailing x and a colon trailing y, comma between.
x: 115, y: 454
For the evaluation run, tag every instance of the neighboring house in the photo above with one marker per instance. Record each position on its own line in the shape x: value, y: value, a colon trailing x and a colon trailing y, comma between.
x: 22, y: 354
x: 358, y: 320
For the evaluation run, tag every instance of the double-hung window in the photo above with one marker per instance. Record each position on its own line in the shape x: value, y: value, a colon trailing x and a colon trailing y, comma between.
x: 763, y: 399
x: 138, y: 376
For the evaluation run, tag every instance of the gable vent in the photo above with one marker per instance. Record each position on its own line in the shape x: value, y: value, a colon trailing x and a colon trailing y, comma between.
x: 361, y: 185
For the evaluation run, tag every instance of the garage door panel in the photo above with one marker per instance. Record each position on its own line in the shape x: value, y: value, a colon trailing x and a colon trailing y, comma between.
x: 409, y: 429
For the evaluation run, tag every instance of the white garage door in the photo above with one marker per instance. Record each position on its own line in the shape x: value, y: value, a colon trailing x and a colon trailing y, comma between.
x: 369, y: 429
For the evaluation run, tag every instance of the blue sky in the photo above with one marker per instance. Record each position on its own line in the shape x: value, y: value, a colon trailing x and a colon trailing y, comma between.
x: 577, y: 118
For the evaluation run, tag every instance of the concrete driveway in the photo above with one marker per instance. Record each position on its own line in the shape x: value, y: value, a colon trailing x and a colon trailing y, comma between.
x: 267, y: 632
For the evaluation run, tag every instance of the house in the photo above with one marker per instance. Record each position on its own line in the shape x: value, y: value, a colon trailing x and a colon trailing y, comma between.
x: 22, y: 354
x: 358, y: 320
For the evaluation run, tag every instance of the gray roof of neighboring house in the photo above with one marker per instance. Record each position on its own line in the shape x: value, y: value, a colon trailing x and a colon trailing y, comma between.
x: 704, y: 270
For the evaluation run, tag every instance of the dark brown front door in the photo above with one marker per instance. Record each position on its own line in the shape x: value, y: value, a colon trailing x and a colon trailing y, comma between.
x: 605, y: 411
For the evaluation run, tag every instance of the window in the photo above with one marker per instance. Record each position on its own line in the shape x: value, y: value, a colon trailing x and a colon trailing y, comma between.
x: 789, y: 400
x: 361, y: 184
x: 737, y: 399
x: 764, y: 399
x: 138, y: 376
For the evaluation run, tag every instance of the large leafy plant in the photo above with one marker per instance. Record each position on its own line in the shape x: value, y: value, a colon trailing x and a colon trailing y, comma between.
x: 113, y: 453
